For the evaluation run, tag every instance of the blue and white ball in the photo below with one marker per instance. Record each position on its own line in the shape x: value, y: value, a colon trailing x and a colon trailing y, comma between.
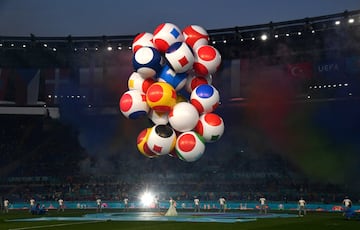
x: 183, y: 117
x: 147, y: 61
x: 162, y: 139
x: 205, y: 98
x: 180, y: 57
x: 176, y: 80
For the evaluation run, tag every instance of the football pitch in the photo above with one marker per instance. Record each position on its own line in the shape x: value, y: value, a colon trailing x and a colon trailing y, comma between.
x: 117, y: 219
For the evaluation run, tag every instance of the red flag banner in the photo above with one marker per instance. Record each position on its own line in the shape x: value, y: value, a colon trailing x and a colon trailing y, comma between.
x: 300, y: 71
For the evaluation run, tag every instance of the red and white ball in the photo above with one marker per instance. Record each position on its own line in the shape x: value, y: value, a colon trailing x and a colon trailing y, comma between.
x: 133, y: 104
x: 165, y: 35
x: 194, y: 81
x: 137, y: 82
x: 207, y: 60
x: 190, y: 146
x: 195, y: 36
x: 183, y: 117
x: 162, y: 139
x: 147, y: 61
x: 210, y: 126
x: 180, y: 57
x: 161, y: 97
x: 205, y: 98
x: 142, y: 143
x: 141, y: 40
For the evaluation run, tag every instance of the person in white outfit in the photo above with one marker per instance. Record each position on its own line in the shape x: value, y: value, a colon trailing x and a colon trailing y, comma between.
x: 172, y: 208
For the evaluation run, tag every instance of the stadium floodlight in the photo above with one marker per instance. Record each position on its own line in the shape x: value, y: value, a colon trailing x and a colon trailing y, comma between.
x: 337, y: 22
x: 264, y: 37
x: 351, y: 20
x: 109, y: 48
x: 147, y: 198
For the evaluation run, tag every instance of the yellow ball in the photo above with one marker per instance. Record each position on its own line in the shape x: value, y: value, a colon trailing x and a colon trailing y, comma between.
x: 161, y: 97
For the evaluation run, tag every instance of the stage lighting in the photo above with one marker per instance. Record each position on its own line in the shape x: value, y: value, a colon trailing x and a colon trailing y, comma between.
x: 351, y: 20
x: 337, y: 22
x: 147, y: 199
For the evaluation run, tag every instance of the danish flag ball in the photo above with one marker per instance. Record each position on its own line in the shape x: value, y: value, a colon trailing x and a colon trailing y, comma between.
x: 195, y: 36
x: 190, y: 146
x: 133, y: 104
x: 207, y: 60
x: 210, y: 126
x: 171, y: 86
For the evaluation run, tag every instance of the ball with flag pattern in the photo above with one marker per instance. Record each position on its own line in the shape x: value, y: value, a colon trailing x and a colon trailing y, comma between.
x: 147, y: 61
x: 207, y: 60
x: 205, y: 98
x: 142, y: 143
x: 133, y: 104
x: 165, y: 35
x: 180, y: 57
x: 141, y: 40
x: 210, y: 126
x: 162, y: 139
x: 161, y: 97
x: 190, y: 146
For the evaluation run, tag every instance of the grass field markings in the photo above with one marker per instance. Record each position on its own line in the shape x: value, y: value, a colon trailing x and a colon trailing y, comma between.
x: 57, y: 225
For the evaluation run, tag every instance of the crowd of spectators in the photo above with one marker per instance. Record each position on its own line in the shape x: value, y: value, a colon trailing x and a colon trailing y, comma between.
x: 42, y: 158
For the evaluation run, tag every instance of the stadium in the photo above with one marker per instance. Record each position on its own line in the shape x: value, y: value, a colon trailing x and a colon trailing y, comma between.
x: 290, y: 96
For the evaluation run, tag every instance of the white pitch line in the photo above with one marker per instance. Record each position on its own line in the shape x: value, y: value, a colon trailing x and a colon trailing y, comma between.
x: 56, y: 225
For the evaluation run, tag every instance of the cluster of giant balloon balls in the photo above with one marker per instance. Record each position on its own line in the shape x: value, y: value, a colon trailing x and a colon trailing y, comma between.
x: 172, y: 86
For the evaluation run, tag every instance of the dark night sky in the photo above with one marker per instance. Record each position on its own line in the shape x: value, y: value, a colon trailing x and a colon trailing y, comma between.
x: 114, y: 17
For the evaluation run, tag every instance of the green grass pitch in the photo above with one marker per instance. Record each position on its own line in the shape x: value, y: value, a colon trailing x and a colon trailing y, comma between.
x: 313, y: 220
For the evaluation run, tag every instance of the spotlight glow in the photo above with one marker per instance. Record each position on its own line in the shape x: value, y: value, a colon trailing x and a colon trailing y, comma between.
x: 147, y: 199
